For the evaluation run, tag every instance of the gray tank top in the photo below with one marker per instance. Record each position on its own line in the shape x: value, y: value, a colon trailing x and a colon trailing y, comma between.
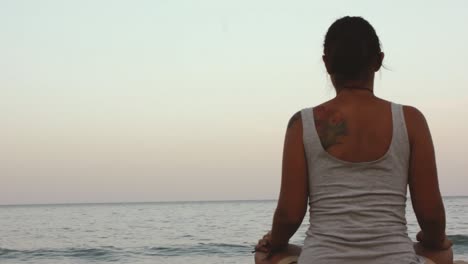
x: 357, y: 209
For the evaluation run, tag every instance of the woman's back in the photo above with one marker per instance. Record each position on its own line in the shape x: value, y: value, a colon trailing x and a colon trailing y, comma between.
x: 352, y: 159
x: 357, y: 190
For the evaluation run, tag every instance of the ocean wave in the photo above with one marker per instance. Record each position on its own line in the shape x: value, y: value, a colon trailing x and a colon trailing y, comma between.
x: 201, y: 249
x: 459, y: 240
x: 111, y: 253
x: 103, y: 253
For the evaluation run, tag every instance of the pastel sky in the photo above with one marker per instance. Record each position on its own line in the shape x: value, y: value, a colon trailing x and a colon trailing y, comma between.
x: 108, y: 101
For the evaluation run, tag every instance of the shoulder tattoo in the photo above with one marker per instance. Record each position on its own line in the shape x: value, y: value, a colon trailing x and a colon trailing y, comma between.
x: 331, y: 126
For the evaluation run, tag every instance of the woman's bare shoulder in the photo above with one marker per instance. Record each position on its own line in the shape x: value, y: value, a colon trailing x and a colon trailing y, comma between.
x: 412, y: 112
x: 415, y: 122
x: 295, y: 119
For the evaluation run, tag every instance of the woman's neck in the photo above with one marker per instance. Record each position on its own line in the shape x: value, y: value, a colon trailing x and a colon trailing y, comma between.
x: 355, y: 92
x: 356, y: 87
x: 366, y: 84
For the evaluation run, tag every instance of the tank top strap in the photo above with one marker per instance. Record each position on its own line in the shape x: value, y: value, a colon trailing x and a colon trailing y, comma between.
x: 400, y: 143
x: 310, y: 137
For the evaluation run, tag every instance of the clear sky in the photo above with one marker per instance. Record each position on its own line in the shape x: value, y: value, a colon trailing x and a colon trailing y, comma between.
x: 108, y: 100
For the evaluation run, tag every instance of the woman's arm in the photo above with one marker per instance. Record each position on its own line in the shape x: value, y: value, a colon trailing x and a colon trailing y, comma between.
x: 423, y: 183
x: 292, y: 203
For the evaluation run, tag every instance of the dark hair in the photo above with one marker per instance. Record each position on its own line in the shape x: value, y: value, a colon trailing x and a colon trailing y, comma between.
x: 350, y: 47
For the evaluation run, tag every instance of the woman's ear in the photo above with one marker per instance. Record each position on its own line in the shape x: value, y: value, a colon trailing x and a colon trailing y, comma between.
x: 380, y: 58
x: 325, y: 61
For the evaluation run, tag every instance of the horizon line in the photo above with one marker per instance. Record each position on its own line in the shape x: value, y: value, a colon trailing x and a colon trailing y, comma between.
x: 171, y: 201
x: 140, y: 202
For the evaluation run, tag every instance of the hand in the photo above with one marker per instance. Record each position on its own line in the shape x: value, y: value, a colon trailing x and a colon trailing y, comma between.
x: 438, y: 245
x: 264, y: 243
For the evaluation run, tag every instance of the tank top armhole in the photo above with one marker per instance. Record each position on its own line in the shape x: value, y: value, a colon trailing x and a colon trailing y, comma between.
x: 401, y: 147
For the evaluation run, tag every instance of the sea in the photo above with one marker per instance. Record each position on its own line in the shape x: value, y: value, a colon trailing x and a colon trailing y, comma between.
x: 162, y: 232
